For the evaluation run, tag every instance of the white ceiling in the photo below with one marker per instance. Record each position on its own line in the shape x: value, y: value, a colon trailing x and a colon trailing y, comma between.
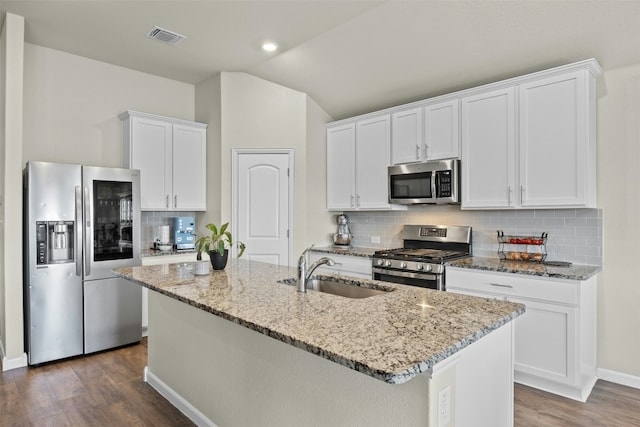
x: 352, y: 57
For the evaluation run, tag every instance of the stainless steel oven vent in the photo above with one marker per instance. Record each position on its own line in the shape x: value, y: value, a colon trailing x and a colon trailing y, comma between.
x: 165, y: 36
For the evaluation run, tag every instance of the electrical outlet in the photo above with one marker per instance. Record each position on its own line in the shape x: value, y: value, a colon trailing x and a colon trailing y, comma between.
x: 375, y: 239
x: 444, y: 406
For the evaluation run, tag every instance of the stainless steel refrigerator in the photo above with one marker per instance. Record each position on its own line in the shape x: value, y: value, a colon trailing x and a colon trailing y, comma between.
x: 80, y: 222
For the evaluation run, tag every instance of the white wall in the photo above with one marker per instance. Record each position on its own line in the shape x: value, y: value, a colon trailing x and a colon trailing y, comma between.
x: 320, y: 223
x: 70, y: 113
x: 260, y: 114
x: 11, y: 191
x: 619, y: 196
x: 71, y: 104
x: 208, y: 110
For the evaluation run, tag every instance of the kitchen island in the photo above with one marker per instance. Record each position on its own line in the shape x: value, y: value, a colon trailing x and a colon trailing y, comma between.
x: 237, y: 347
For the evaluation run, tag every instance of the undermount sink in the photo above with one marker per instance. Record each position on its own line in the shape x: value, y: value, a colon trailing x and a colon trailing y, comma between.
x: 336, y: 287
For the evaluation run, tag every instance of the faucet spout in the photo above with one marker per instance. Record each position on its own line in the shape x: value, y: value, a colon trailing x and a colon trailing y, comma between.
x: 304, y: 274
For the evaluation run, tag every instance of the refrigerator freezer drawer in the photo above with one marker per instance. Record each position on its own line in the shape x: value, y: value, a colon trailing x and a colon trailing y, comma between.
x: 54, y: 314
x: 112, y: 314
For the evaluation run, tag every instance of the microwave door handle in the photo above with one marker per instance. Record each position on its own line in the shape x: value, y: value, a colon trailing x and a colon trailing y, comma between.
x: 434, y: 177
x: 77, y: 232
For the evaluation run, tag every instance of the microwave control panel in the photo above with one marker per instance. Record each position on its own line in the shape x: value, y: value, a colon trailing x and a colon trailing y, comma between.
x: 443, y: 180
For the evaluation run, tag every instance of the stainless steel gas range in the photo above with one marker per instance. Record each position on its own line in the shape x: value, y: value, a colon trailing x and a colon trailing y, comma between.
x: 420, y: 262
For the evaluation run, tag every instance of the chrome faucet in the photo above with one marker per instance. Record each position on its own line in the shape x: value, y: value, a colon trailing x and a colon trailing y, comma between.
x: 303, y: 274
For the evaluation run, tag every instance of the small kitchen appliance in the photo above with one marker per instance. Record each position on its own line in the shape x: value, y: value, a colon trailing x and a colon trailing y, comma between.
x: 184, y: 232
x: 434, y: 182
x: 343, y: 236
x: 421, y: 261
x: 163, y: 242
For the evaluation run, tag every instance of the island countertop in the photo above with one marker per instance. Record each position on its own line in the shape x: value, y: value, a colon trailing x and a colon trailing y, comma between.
x: 392, y: 337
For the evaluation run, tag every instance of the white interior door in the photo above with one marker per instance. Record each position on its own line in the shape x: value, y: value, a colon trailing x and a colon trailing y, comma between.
x: 262, y: 199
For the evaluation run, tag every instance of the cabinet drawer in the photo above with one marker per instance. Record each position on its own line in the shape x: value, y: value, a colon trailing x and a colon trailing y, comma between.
x: 513, y: 285
x: 344, y: 264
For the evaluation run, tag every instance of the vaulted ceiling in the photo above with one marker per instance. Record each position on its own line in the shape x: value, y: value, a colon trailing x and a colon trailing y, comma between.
x: 350, y: 56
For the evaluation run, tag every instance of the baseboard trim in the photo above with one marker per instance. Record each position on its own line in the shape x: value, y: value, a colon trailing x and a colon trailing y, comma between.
x: 176, y: 400
x: 14, y: 362
x: 619, y: 378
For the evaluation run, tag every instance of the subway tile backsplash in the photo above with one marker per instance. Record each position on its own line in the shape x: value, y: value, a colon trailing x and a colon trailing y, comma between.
x: 151, y: 220
x: 575, y: 235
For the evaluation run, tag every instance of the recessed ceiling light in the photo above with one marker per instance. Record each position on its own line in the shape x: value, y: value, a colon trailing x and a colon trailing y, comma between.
x: 269, y: 46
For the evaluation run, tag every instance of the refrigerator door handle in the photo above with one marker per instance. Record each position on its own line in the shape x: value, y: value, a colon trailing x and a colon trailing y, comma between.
x: 77, y: 232
x: 88, y: 249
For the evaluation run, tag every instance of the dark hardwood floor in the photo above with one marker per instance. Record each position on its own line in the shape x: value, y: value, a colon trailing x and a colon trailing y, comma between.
x: 609, y: 405
x: 106, y: 389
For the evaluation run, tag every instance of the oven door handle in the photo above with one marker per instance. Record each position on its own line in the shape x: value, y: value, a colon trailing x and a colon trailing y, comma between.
x: 397, y: 273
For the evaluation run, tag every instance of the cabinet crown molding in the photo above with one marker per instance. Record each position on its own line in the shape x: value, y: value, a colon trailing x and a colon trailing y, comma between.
x: 131, y: 113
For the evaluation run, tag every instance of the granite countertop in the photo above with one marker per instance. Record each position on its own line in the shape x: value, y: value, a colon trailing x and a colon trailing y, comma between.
x: 574, y: 272
x: 155, y: 252
x: 346, y: 250
x: 392, y: 337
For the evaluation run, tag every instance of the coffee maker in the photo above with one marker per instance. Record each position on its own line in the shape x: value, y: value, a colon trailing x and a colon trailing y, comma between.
x: 184, y: 231
x: 343, y: 236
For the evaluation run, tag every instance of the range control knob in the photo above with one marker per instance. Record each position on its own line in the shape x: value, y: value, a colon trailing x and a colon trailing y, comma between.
x: 380, y: 262
x: 403, y: 265
x: 428, y: 267
x: 387, y: 263
x: 419, y: 266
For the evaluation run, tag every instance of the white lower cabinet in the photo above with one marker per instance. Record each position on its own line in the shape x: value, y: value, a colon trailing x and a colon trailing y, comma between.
x: 157, y: 260
x: 348, y: 265
x: 555, y: 340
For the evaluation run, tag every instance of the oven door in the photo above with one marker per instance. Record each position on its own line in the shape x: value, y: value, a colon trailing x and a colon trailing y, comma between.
x: 422, y: 280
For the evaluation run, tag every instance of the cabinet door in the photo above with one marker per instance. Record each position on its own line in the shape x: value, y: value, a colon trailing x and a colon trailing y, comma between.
x: 488, y: 150
x: 341, y: 160
x: 545, y: 341
x: 441, y: 130
x: 151, y: 153
x: 373, y: 146
x: 406, y: 138
x: 553, y: 141
x: 189, y: 168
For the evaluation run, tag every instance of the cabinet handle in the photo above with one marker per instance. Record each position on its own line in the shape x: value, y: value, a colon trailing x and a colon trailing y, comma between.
x: 426, y: 151
x: 417, y: 152
x: 352, y: 200
x: 358, y: 203
x: 500, y: 285
x: 175, y: 201
x: 509, y: 196
x: 166, y: 201
x: 522, y: 192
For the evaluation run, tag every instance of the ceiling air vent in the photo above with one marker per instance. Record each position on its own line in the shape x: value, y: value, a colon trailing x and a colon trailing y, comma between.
x: 165, y: 36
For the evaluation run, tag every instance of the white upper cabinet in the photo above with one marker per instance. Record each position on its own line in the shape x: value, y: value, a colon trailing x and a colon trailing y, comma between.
x: 341, y: 163
x: 530, y: 142
x: 557, y: 147
x: 488, y: 149
x: 358, y: 155
x: 524, y: 143
x: 373, y: 144
x: 441, y: 130
x: 171, y: 156
x: 428, y: 132
x: 407, y: 136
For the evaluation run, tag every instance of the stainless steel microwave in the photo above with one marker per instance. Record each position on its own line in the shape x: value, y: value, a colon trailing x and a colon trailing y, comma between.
x: 435, y: 182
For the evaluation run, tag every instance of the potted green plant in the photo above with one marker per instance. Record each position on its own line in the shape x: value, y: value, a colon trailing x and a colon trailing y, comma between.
x: 217, y: 245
